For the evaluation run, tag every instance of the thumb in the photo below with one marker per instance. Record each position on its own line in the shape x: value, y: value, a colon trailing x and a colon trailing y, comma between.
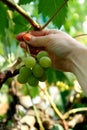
x: 36, y: 41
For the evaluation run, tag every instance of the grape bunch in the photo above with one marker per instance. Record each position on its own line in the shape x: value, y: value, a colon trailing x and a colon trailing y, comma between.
x: 34, y: 69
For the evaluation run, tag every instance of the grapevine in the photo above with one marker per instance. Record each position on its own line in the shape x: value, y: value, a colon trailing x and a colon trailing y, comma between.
x: 34, y: 67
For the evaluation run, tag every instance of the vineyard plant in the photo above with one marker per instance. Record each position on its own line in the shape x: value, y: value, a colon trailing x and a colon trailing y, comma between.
x: 33, y: 95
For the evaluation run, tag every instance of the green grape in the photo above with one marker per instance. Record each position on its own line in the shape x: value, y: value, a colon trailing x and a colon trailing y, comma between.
x: 43, y: 77
x: 41, y: 54
x: 24, y: 74
x: 25, y: 71
x: 33, y: 81
x: 29, y: 61
x: 37, y: 70
x: 45, y: 62
x: 22, y: 79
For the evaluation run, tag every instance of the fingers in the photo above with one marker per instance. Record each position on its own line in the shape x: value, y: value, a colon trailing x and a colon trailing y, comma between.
x: 23, y: 45
x: 37, y: 38
x: 35, y: 41
x: 19, y: 37
x: 43, y: 32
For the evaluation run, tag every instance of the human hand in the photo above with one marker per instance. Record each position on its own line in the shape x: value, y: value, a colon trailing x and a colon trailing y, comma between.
x: 59, y: 45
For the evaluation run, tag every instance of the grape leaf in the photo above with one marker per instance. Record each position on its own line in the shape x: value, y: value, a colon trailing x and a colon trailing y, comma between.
x: 49, y: 7
x: 3, y: 18
x: 55, y: 76
x: 24, y: 2
x: 21, y: 24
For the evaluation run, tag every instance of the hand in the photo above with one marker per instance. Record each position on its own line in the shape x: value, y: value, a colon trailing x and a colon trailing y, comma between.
x: 59, y: 45
x: 67, y: 54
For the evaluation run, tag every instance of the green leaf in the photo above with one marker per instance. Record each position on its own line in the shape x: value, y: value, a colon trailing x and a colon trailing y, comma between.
x: 49, y: 7
x: 33, y: 91
x: 55, y: 76
x: 21, y: 2
x: 29, y: 90
x: 21, y: 24
x: 3, y: 18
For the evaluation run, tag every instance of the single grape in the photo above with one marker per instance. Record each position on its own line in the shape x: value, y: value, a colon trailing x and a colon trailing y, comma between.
x: 45, y: 62
x: 25, y: 71
x: 41, y: 54
x: 43, y: 77
x: 22, y: 79
x: 37, y: 70
x: 33, y: 81
x: 29, y: 61
x: 24, y: 74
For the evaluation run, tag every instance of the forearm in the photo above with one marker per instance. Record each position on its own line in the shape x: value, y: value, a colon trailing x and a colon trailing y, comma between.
x: 79, y: 60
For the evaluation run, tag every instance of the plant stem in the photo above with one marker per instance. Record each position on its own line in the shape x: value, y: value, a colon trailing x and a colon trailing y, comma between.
x: 10, y: 72
x: 38, y: 118
x: 80, y: 35
x: 16, y: 7
x: 65, y: 125
x: 51, y: 18
x: 52, y: 103
x: 66, y: 115
x: 36, y: 111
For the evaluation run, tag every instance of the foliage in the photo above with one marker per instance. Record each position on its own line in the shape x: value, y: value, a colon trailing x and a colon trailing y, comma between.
x: 44, y: 7
x: 71, y: 18
x: 4, y: 20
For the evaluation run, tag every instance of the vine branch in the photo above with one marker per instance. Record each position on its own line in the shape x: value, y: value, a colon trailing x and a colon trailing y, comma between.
x: 5, y: 76
x: 9, y: 73
x: 80, y: 35
x: 21, y: 11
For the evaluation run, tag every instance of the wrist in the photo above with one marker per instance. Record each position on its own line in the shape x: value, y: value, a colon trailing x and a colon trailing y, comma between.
x: 79, y: 65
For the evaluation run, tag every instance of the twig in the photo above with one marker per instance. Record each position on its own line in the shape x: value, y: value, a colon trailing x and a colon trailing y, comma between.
x: 51, y: 18
x: 7, y: 75
x: 36, y: 112
x: 38, y: 118
x: 16, y: 7
x: 65, y: 125
x: 73, y: 111
x: 80, y: 35
x: 11, y: 72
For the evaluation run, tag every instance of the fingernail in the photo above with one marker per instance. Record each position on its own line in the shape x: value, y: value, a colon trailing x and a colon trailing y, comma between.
x: 26, y: 37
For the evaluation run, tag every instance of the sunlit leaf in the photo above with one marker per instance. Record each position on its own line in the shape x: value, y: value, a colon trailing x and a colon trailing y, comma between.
x: 49, y: 7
